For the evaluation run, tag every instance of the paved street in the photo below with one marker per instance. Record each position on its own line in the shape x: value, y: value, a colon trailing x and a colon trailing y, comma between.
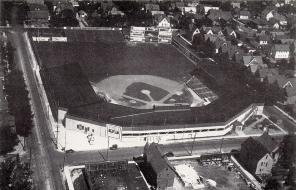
x: 46, y: 172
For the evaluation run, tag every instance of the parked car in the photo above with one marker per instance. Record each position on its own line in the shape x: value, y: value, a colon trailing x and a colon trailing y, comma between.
x: 114, y: 147
x: 169, y: 154
x: 70, y: 151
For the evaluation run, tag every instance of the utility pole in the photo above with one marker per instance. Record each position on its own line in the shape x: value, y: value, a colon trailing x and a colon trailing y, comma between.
x: 192, y: 143
x: 108, y: 147
x: 30, y: 158
x: 57, y: 138
x: 221, y: 145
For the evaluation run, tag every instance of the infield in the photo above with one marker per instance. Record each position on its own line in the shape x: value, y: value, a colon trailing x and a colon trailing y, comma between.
x: 143, y: 91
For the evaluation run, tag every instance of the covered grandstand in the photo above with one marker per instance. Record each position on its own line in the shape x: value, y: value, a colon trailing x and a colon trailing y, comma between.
x: 68, y: 69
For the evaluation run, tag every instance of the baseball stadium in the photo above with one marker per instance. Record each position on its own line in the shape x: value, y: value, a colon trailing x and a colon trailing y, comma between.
x: 101, y: 84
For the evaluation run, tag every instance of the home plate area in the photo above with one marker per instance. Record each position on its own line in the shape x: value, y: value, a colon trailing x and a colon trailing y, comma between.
x: 146, y: 91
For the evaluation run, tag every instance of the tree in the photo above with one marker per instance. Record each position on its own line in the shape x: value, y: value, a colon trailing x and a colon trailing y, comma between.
x: 226, y: 6
x: 18, y: 102
x: 288, y: 158
x: 208, y: 47
x: 8, y: 139
x: 272, y: 184
x: 15, y: 175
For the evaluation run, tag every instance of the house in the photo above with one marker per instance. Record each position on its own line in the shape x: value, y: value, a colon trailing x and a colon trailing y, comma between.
x: 163, y: 174
x: 230, y: 32
x: 220, y: 45
x: 280, y: 51
x: 60, y: 6
x: 259, y: 155
x: 281, y: 18
x: 151, y: 7
x: 268, y: 13
x: 153, y: 13
x: 263, y: 39
x: 254, y: 62
x: 189, y: 10
x: 161, y: 21
x: 179, y: 5
x: 276, y: 25
x: 204, y: 9
x: 115, y: 11
x: 214, y: 30
x: 37, y: 14
x: 288, y: 40
x: 219, y: 14
x: 284, y: 81
x: 289, y: 85
x: 244, y: 15
x: 235, y: 5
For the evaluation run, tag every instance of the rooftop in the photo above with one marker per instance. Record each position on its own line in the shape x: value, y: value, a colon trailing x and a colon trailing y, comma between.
x: 281, y: 47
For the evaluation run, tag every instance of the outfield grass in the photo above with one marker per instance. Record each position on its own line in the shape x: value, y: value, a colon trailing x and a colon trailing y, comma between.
x: 100, y: 60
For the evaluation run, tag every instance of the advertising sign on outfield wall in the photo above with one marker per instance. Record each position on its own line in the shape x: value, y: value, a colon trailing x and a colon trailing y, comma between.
x: 41, y: 39
x: 59, y: 39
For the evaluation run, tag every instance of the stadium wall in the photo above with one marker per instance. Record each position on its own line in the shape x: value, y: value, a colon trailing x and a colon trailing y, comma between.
x: 167, y: 134
x: 89, y: 127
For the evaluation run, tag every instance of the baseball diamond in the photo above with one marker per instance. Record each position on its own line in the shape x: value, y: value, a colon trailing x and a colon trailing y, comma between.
x: 108, y: 87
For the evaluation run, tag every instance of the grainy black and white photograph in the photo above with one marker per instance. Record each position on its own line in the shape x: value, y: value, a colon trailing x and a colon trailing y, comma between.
x: 148, y: 95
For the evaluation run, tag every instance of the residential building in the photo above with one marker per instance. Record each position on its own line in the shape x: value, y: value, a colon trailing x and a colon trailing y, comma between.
x: 161, y: 21
x: 259, y: 155
x: 163, y: 174
x: 254, y: 62
x: 204, y: 9
x: 263, y: 39
x: 37, y: 15
x: 219, y: 14
x: 189, y: 10
x: 289, y: 85
x: 230, y: 32
x: 280, y: 51
x: 149, y: 7
x: 235, y: 5
x: 115, y: 11
x: 244, y: 15
x: 280, y: 18
x: 267, y: 13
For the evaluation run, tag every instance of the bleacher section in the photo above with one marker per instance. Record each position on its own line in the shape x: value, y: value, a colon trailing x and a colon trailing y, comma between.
x: 201, y: 90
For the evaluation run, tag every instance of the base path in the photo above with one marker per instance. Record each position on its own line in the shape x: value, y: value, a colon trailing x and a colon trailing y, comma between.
x: 114, y: 87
